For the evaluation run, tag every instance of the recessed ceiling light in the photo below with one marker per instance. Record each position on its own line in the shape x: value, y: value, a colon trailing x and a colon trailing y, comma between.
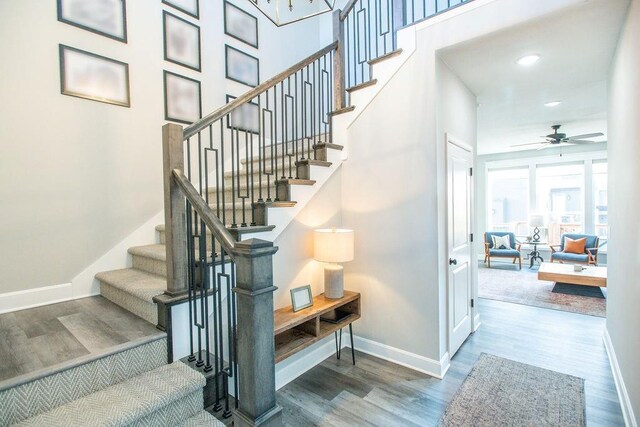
x: 528, y: 60
x: 553, y: 104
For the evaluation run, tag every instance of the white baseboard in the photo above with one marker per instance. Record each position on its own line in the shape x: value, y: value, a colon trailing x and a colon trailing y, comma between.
x: 435, y: 368
x: 20, y: 300
x: 623, y: 396
x: 291, y: 368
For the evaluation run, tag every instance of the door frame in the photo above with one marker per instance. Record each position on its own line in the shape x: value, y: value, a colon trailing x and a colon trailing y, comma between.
x: 475, y: 316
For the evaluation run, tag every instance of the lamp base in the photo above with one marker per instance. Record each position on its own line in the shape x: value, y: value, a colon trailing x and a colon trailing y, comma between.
x: 333, y: 281
x: 536, y: 234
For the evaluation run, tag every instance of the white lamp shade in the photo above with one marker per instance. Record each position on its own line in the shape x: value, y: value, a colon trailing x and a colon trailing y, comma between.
x: 536, y: 220
x: 333, y: 245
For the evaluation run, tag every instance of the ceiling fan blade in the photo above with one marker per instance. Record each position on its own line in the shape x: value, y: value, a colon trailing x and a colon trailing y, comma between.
x: 580, y: 141
x: 587, y: 135
x: 530, y: 143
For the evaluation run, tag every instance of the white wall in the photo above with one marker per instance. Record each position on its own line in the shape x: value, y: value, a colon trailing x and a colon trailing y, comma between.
x: 393, y: 191
x: 79, y: 176
x: 623, y: 316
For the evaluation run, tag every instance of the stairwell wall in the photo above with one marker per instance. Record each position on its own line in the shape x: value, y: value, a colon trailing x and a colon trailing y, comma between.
x: 80, y: 176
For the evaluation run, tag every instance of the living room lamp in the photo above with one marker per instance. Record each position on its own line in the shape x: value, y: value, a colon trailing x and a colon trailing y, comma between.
x: 535, y: 221
x: 331, y: 246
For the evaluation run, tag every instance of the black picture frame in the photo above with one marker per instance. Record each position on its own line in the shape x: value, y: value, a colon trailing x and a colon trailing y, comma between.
x: 167, y: 114
x: 302, y: 289
x: 251, y: 104
x: 234, y: 75
x: 249, y: 17
x: 195, y: 14
x: 166, y: 15
x: 69, y: 21
x: 64, y: 84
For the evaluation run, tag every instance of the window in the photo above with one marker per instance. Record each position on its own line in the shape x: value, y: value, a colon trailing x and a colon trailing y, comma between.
x: 600, y: 210
x: 560, y: 195
x: 509, y: 200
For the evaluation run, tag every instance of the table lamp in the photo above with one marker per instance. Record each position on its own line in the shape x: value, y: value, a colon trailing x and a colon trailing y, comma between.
x: 536, y: 221
x: 333, y: 245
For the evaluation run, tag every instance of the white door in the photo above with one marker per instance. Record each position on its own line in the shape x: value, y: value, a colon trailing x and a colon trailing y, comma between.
x: 459, y: 246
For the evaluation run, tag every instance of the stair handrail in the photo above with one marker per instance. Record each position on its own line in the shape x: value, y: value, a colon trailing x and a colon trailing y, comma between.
x: 210, y: 118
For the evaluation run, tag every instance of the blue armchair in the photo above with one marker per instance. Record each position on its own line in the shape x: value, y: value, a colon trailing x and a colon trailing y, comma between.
x: 590, y: 255
x: 491, y: 252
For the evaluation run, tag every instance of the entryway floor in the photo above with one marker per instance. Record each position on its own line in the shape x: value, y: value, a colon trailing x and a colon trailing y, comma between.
x: 504, y: 282
x: 380, y: 393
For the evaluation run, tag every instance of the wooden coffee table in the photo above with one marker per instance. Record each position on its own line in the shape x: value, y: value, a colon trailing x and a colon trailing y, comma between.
x: 563, y: 273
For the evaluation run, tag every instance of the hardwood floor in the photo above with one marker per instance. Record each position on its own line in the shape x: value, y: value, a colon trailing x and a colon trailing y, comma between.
x: 380, y: 393
x: 41, y: 337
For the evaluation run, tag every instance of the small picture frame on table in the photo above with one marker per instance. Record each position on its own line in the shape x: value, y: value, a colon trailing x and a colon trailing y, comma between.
x: 301, y: 297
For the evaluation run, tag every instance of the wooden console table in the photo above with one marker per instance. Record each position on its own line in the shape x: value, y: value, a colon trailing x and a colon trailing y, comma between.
x: 294, y: 332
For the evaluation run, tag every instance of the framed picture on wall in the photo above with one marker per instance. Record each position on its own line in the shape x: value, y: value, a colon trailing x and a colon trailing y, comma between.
x: 181, y: 41
x: 104, y: 17
x: 245, y: 118
x: 242, y: 67
x: 94, y: 77
x: 190, y: 7
x: 182, y: 99
x: 240, y: 25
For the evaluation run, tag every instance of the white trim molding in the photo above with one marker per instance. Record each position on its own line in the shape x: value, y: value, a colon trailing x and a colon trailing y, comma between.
x: 435, y: 368
x: 29, y: 298
x: 623, y: 396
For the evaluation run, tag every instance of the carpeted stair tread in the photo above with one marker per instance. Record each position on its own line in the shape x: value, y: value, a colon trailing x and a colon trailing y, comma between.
x: 139, y: 283
x: 155, y: 251
x: 202, y: 419
x: 126, y: 402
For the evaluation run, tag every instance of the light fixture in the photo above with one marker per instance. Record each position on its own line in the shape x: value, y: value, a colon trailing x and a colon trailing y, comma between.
x: 333, y: 246
x: 552, y: 103
x: 283, y: 12
x: 535, y: 221
x: 528, y: 60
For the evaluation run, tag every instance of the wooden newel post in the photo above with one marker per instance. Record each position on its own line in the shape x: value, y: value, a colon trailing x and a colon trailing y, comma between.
x: 174, y: 210
x: 256, y: 353
x: 338, y: 62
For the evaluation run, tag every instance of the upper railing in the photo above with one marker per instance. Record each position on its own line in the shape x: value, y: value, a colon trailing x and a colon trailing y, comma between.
x: 370, y: 28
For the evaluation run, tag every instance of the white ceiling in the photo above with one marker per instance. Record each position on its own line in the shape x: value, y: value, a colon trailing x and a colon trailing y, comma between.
x: 576, y: 49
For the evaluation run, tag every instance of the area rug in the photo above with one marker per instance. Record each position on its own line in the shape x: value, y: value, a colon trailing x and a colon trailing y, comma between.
x: 506, y: 283
x: 501, y: 392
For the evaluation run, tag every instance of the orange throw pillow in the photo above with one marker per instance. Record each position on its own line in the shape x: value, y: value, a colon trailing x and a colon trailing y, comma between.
x: 575, y: 246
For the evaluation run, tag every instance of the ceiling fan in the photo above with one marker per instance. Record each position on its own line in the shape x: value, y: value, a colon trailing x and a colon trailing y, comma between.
x: 556, y: 138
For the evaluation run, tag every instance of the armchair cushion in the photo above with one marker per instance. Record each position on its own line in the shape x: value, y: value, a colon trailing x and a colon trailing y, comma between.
x: 504, y: 252
x: 501, y: 242
x: 488, y: 237
x: 592, y: 241
x: 577, y: 246
x: 569, y: 257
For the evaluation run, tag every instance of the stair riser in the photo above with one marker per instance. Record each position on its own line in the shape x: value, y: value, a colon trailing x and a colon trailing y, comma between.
x: 149, y: 265
x: 230, y: 192
x: 196, y: 242
x: 145, y: 309
x: 239, y: 216
x: 175, y: 413
x: 320, y: 154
